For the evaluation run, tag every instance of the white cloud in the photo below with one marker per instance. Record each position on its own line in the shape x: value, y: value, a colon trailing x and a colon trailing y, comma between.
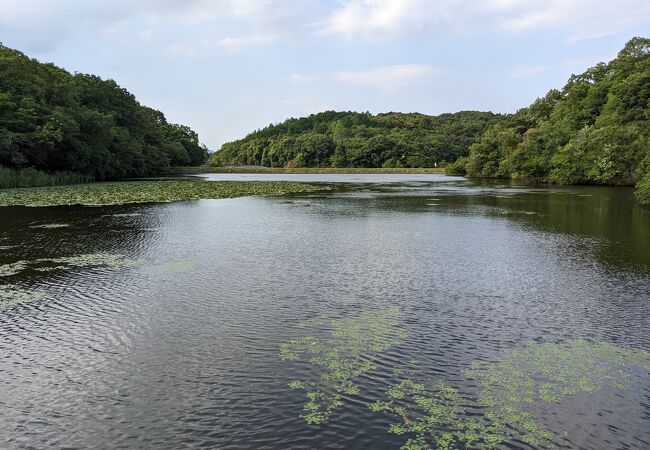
x: 392, y: 19
x: 230, y: 44
x: 43, y: 24
x: 305, y: 105
x: 236, y: 43
x: 303, y: 78
x: 145, y: 35
x: 388, y: 77
x: 527, y: 71
x: 579, y: 19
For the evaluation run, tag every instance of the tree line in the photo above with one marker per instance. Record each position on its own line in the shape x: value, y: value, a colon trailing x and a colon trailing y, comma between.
x: 596, y: 130
x: 51, y: 120
x: 352, y: 139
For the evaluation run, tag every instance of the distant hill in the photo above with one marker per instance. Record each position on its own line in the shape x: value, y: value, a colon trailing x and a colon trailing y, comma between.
x: 596, y: 130
x: 351, y: 139
x: 52, y: 121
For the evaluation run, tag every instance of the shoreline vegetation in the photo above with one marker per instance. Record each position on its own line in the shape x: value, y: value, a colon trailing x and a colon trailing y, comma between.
x: 594, y: 131
x: 353, y: 139
x: 146, y: 191
x: 303, y: 170
x: 54, y: 121
x: 24, y: 178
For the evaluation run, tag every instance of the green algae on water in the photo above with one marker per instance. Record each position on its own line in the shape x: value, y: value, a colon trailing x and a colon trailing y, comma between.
x: 7, y: 270
x: 109, y: 260
x: 508, y: 390
x: 126, y: 192
x: 48, y: 226
x: 550, y: 372
x: 434, y: 416
x: 50, y: 264
x: 352, y: 348
x: 10, y: 296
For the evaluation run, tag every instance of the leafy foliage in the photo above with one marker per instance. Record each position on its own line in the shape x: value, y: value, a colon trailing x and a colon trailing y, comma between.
x: 508, y: 390
x: 550, y: 372
x: 125, y: 192
x: 350, y: 139
x: 349, y: 352
x: 595, y: 130
x: 51, y: 120
x: 435, y: 416
x: 12, y: 178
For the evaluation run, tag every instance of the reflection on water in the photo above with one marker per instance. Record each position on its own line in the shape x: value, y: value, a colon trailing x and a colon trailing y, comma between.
x: 181, y: 349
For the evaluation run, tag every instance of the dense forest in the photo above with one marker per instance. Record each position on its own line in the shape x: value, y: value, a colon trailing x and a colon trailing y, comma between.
x: 596, y: 130
x: 350, y: 139
x: 51, y: 120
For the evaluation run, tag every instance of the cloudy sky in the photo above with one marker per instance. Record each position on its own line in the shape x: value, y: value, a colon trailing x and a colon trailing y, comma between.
x: 226, y: 67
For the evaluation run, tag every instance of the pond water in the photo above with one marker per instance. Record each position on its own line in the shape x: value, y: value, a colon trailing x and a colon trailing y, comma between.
x: 160, y: 325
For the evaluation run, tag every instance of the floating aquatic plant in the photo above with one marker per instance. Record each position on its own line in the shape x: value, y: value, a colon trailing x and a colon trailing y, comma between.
x: 7, y: 270
x: 10, y: 296
x: 350, y: 350
x: 432, y: 413
x: 550, y: 372
x: 109, y: 260
x: 125, y: 192
x: 173, y: 267
x: 508, y: 388
x: 49, y: 264
x: 51, y: 225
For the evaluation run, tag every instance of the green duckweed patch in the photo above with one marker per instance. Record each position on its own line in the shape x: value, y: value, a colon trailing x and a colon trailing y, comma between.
x: 125, y: 215
x: 10, y: 296
x: 173, y: 267
x: 51, y: 225
x: 509, y: 389
x: 126, y: 192
x: 50, y: 264
x: 350, y: 349
x: 434, y: 416
x: 550, y: 372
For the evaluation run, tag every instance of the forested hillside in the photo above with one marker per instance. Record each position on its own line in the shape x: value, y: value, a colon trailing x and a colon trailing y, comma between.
x: 52, y: 120
x: 595, y: 130
x: 350, y: 139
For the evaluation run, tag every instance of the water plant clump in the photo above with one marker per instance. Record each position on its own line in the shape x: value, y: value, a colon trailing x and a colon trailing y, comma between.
x: 508, y: 390
x: 7, y: 270
x: 120, y: 193
x: 10, y: 296
x: 350, y: 350
x: 433, y: 414
x: 49, y: 264
x: 47, y: 226
x: 550, y: 372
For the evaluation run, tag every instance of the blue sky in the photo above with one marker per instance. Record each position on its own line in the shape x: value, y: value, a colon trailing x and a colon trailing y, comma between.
x: 227, y: 67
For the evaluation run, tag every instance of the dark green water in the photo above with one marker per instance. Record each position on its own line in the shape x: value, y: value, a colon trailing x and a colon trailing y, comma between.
x: 179, y: 348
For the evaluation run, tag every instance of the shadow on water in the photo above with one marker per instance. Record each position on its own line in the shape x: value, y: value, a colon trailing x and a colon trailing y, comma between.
x: 616, y: 227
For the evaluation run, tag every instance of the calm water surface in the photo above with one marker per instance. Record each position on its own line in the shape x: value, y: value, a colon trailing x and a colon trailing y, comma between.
x: 181, y: 349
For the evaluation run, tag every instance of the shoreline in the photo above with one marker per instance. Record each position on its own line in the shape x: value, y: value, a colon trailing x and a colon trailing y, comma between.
x: 302, y: 170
